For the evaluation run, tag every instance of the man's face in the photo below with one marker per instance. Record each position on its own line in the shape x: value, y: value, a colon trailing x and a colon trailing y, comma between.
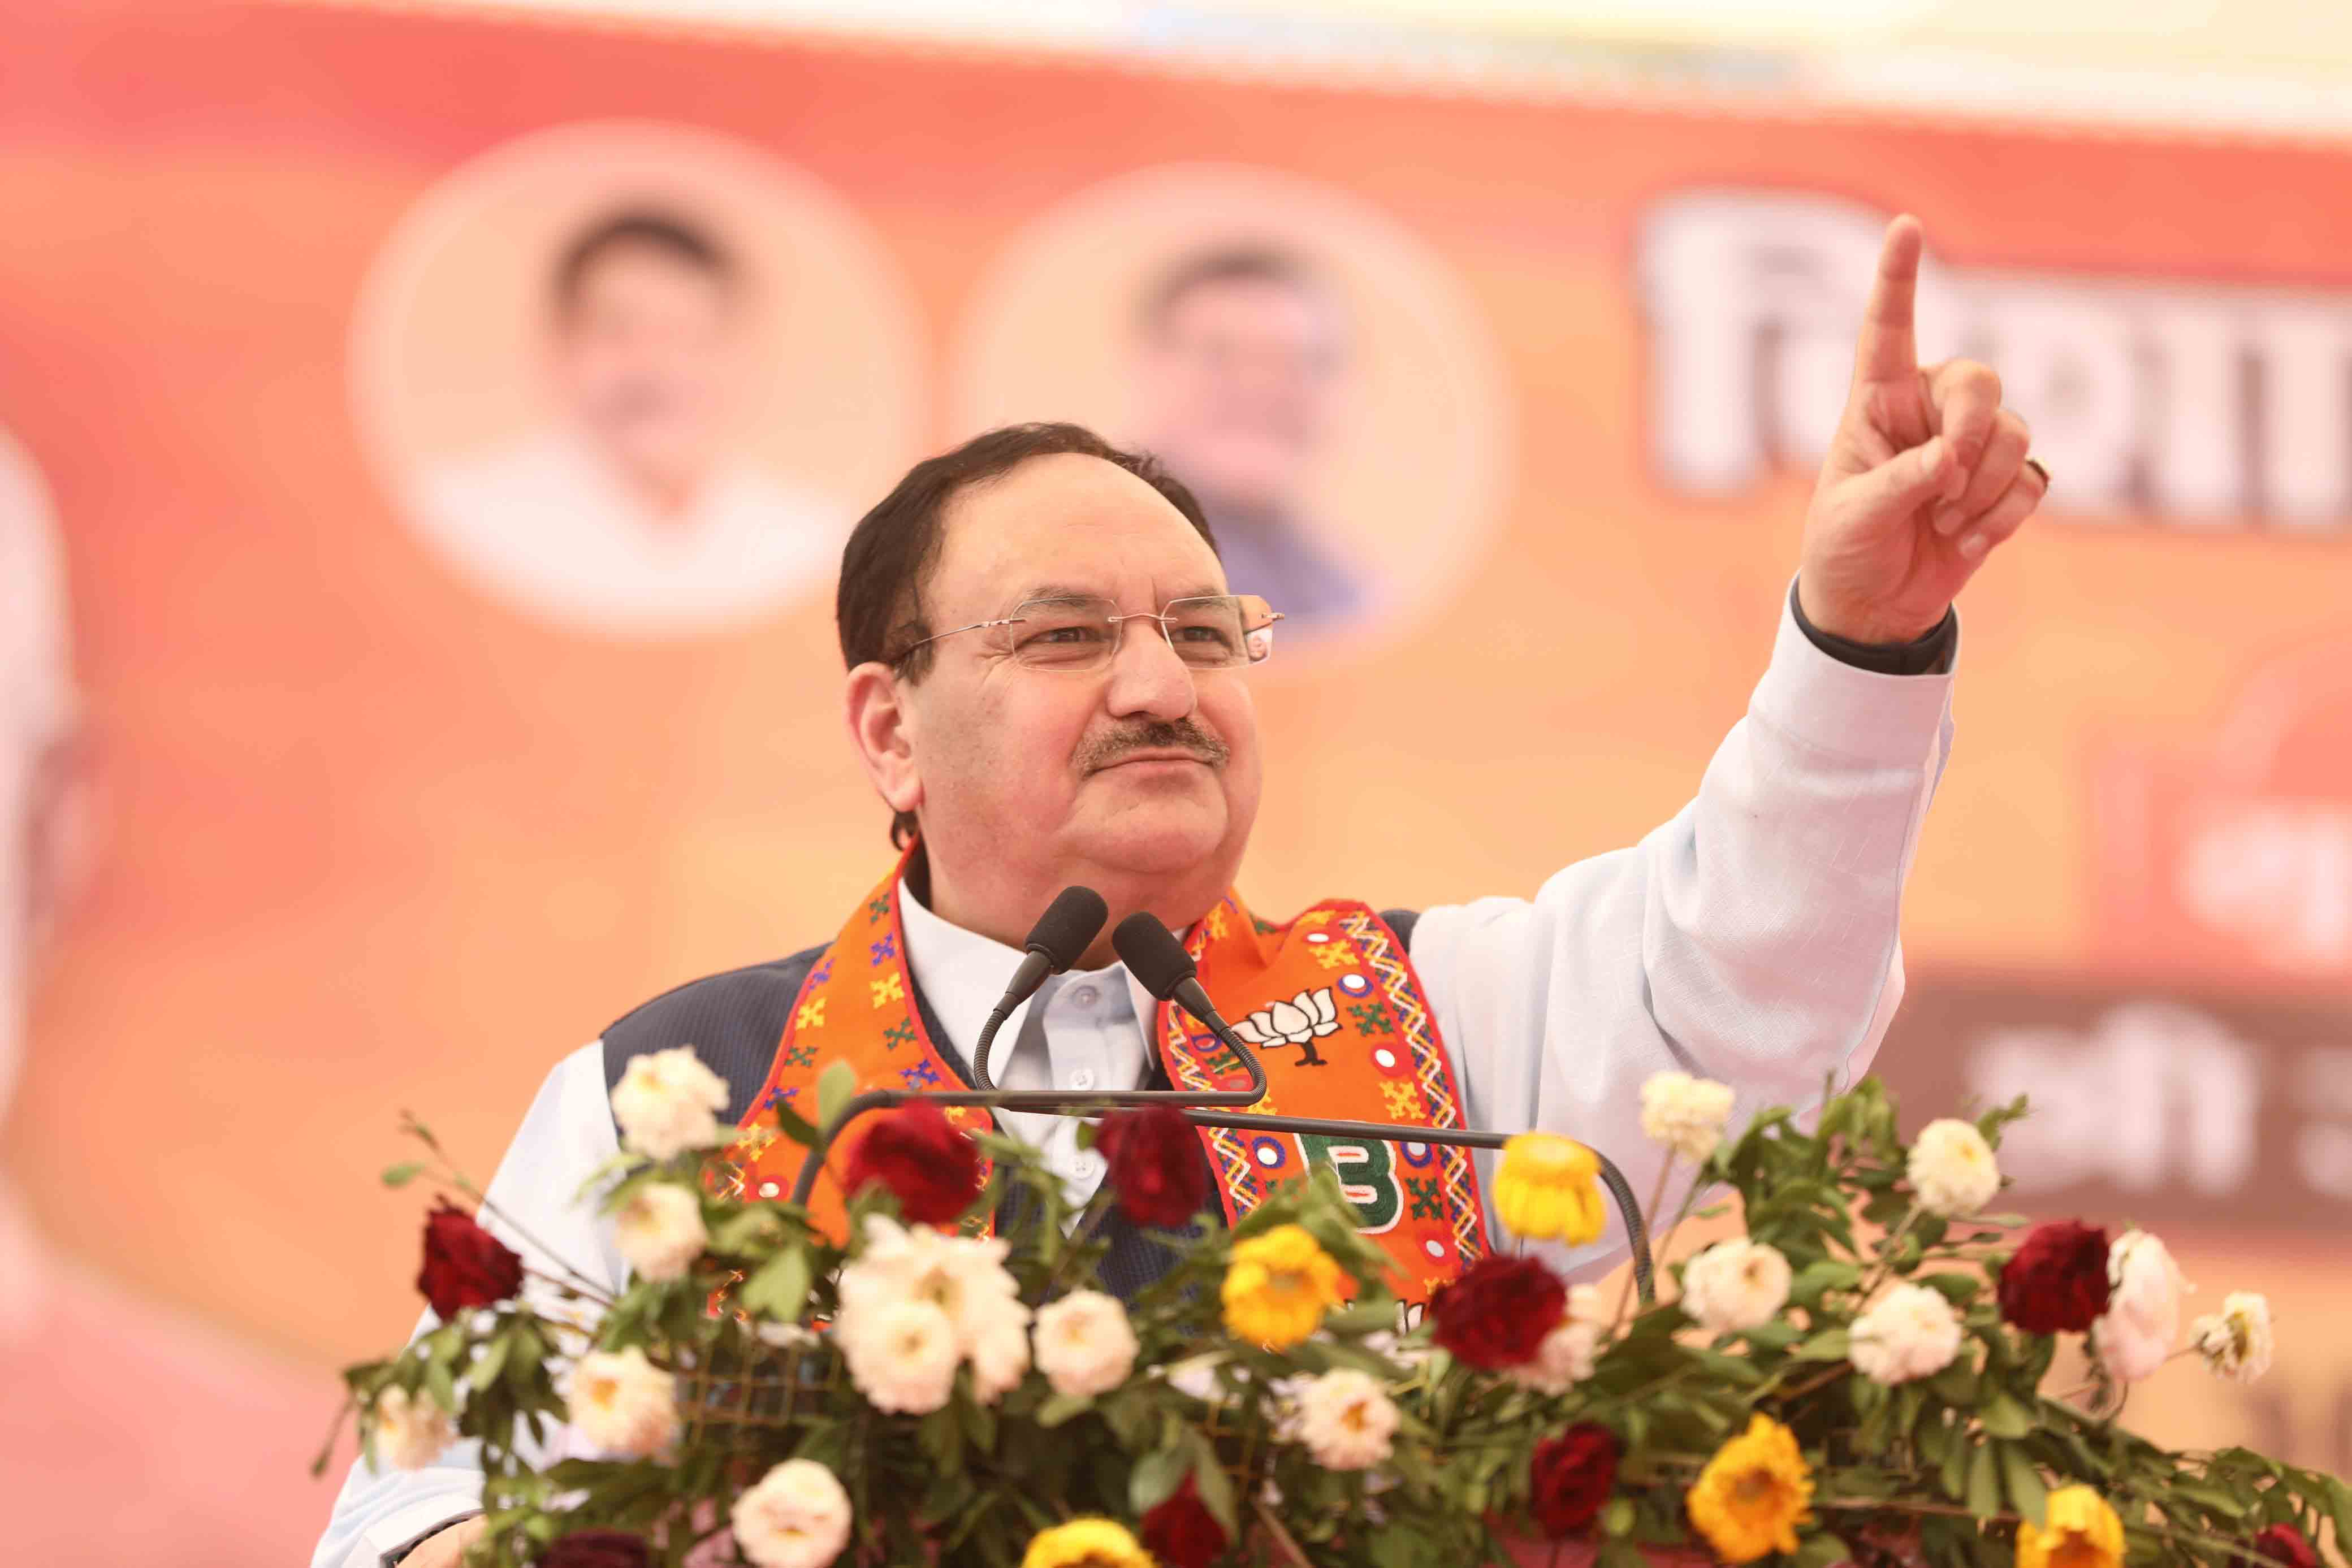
x: 1239, y: 384
x: 1148, y: 769
x: 644, y: 364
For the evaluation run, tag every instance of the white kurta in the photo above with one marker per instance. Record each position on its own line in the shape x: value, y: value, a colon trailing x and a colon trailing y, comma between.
x: 1752, y: 939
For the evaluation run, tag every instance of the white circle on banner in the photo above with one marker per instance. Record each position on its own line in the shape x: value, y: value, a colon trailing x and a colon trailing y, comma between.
x: 1371, y: 512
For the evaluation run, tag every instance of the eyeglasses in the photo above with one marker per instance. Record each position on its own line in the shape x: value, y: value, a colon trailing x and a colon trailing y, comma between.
x: 1079, y: 633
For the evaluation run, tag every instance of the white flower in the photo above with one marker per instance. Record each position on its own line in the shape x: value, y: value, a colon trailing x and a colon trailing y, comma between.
x: 997, y: 1346
x: 1735, y: 1285
x: 659, y: 1231
x: 668, y: 1102
x: 622, y: 1404
x: 796, y: 1517
x: 2142, y: 1321
x: 1197, y: 1376
x: 1585, y: 1306
x: 1910, y: 1331
x: 1084, y: 1344
x: 1346, y: 1419
x: 411, y: 1433
x: 2236, y: 1341
x: 1563, y: 1360
x: 901, y: 1355
x: 1687, y: 1115
x: 1952, y: 1169
x: 962, y: 1276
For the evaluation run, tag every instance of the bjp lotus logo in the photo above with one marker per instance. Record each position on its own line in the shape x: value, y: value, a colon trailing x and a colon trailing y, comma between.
x: 1300, y: 1022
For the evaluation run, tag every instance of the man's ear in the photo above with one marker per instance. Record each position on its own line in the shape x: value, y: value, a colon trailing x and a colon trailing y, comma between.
x: 875, y: 704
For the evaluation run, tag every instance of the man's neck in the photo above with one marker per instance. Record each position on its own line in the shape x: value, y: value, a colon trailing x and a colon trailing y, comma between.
x: 1005, y: 913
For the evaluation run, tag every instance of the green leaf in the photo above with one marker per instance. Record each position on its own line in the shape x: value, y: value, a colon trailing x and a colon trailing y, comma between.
x: 1956, y: 1386
x: 1957, y: 1289
x: 2005, y: 1417
x: 1830, y: 1345
x: 835, y: 1086
x: 1817, y: 1277
x: 793, y: 1125
x: 1983, y: 1497
x: 1215, y: 1487
x: 1820, y: 1552
x: 1062, y: 1407
x: 780, y: 1289
x: 2027, y: 1492
x: 488, y: 1365
x: 1617, y: 1518
x: 403, y: 1174
x: 1155, y: 1479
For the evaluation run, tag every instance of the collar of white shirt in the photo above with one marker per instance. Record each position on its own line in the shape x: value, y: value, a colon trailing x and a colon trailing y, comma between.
x: 961, y: 974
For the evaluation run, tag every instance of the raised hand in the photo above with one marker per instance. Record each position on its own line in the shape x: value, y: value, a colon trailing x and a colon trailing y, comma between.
x: 1928, y: 473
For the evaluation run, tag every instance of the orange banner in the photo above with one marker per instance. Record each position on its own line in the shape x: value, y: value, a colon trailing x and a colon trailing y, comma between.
x: 437, y: 434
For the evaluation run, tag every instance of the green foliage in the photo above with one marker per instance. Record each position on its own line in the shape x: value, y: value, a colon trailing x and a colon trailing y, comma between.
x: 1941, y: 1471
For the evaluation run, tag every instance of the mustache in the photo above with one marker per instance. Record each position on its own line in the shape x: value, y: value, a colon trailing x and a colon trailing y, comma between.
x: 1102, y: 751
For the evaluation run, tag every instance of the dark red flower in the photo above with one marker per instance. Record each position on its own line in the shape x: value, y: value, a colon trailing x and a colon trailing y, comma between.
x: 2285, y: 1543
x: 2057, y: 1283
x: 1182, y: 1532
x: 1496, y: 1314
x: 597, y: 1549
x: 465, y: 1265
x: 1156, y: 1166
x: 928, y: 1162
x: 1571, y: 1477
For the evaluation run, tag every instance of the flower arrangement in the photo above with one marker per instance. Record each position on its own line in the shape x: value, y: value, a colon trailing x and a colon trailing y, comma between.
x: 1859, y: 1377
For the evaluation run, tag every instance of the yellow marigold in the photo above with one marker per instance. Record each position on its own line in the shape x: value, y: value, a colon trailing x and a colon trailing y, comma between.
x: 1753, y: 1494
x: 2082, y: 1533
x: 1549, y: 1189
x: 1086, y: 1543
x: 1278, y: 1286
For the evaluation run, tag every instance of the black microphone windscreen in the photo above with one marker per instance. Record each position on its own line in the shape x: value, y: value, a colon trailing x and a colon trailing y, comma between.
x: 1069, y: 926
x: 1152, y: 955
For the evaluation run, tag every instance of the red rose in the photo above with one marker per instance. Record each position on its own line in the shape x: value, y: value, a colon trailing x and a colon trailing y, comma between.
x: 927, y: 1162
x: 2284, y: 1543
x: 2058, y: 1280
x: 597, y: 1549
x: 1571, y: 1477
x: 1496, y: 1314
x: 465, y: 1265
x: 1182, y: 1532
x: 1156, y: 1166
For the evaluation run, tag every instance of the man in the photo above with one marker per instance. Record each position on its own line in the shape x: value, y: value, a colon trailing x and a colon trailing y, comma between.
x: 1240, y: 369
x: 631, y: 513
x: 107, y: 1397
x: 1048, y: 685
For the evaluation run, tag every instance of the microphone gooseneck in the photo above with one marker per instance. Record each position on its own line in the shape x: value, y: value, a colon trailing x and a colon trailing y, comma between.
x: 1059, y: 939
x: 1156, y: 959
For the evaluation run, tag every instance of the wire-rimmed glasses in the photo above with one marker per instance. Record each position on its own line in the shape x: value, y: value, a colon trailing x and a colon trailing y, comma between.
x: 1078, y: 634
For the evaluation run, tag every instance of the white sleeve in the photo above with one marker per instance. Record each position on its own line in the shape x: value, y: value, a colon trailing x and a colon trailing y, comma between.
x: 1752, y: 939
x: 565, y: 1135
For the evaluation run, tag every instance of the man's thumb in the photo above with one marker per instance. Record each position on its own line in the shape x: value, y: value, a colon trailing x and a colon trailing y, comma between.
x: 1909, y: 480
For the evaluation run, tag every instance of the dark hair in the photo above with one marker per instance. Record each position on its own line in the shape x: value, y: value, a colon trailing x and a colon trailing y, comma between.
x: 879, y: 606
x: 678, y: 238
x: 1249, y: 263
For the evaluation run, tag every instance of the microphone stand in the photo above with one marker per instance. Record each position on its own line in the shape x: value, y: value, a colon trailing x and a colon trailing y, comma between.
x: 1198, y: 1107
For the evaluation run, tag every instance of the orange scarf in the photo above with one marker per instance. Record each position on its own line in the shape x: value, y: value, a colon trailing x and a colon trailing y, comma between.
x: 1330, y: 1001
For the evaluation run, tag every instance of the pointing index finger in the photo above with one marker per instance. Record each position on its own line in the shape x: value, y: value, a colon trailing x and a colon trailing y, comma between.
x: 1887, y: 351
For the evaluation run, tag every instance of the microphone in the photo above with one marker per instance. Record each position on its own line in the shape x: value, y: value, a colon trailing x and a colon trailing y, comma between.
x: 1154, y: 956
x: 1059, y: 939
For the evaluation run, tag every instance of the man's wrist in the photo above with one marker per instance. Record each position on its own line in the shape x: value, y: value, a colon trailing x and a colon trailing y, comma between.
x: 1927, y: 655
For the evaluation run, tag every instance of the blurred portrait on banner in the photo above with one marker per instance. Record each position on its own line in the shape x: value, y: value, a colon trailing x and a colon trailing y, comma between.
x: 89, y: 1367
x: 634, y: 380
x: 1307, y: 366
